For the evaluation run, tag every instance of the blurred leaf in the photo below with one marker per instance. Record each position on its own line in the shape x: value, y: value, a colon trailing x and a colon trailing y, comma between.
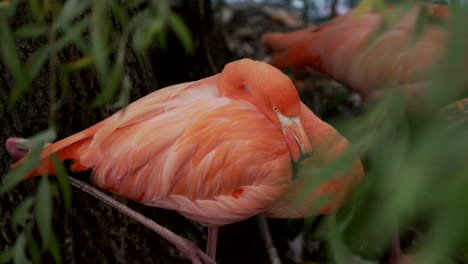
x: 54, y: 249
x: 155, y: 27
x: 32, y: 30
x: 99, y: 33
x: 162, y: 39
x: 162, y: 8
x: 15, y: 175
x: 139, y: 24
x: 6, y: 255
x: 182, y: 32
x: 19, y: 256
x: 32, y: 67
x: 72, y: 34
x: 70, y: 10
x: 22, y: 212
x: 337, y: 247
x: 36, y: 10
x: 64, y: 182
x: 420, y: 24
x: 79, y: 64
x: 42, y: 137
x: 120, y: 13
x: 44, y: 212
x: 135, y: 3
x: 36, y: 62
x: 34, y: 251
x: 124, y: 97
x: 9, y: 54
x: 112, y: 84
x: 64, y: 78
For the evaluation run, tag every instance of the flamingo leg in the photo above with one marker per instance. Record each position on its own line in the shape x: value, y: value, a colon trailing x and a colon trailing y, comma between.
x: 270, y: 246
x: 212, y: 241
x: 186, y: 247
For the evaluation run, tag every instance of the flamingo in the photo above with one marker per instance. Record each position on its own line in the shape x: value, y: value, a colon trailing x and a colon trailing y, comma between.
x: 350, y: 50
x: 218, y: 150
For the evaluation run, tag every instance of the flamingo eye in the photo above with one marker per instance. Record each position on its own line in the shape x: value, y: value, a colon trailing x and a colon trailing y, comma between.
x: 275, y: 109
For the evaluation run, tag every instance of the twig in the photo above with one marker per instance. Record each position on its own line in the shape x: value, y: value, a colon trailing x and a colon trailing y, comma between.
x: 188, y: 248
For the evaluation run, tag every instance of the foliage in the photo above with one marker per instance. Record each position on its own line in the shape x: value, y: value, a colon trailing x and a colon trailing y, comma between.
x: 416, y: 182
x: 103, y: 32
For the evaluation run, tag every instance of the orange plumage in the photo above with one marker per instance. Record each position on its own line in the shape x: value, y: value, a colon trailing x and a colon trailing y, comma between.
x: 345, y: 50
x: 217, y: 150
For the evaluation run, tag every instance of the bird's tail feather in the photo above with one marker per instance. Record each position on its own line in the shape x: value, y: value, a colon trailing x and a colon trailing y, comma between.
x: 67, y: 148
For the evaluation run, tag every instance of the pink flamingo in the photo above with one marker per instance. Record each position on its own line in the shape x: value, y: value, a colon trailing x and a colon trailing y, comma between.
x: 217, y: 150
x: 351, y: 51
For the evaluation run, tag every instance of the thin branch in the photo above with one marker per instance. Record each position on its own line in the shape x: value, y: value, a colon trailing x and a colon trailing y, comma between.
x: 188, y: 248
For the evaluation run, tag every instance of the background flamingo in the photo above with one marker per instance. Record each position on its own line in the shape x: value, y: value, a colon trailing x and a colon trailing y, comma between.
x: 364, y: 51
x: 217, y: 150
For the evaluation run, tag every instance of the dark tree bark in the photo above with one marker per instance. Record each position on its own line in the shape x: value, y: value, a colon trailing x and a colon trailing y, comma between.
x: 94, y: 232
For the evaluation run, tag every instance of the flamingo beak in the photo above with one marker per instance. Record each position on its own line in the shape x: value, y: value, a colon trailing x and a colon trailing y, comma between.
x: 296, y: 137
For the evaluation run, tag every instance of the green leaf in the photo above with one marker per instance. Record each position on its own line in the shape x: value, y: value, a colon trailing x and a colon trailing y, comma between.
x: 99, y: 34
x: 22, y: 212
x: 54, y: 249
x: 420, y: 24
x: 6, y: 255
x: 64, y: 182
x: 44, y: 212
x: 162, y: 8
x: 70, y: 10
x: 72, y: 34
x: 154, y: 28
x: 134, y: 3
x: 32, y: 30
x: 34, y: 251
x: 182, y: 32
x: 9, y: 53
x: 36, y: 62
x: 120, y: 13
x: 19, y: 256
x: 36, y: 9
x: 15, y: 175
x: 112, y: 84
x: 42, y: 137
x: 32, y: 67
x: 124, y: 97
